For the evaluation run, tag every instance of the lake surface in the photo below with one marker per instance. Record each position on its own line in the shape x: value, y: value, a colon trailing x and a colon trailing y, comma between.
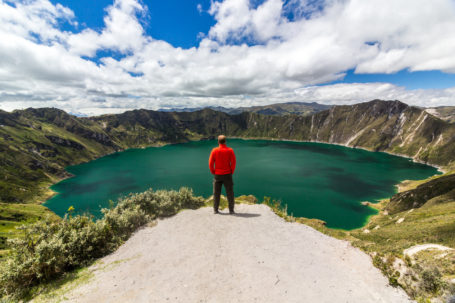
x: 315, y: 180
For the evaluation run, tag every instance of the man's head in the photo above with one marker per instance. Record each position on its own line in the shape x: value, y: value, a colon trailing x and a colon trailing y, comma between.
x: 222, y: 139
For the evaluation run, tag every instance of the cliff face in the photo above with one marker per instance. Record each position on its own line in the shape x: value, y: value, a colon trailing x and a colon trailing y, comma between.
x: 36, y: 144
x: 377, y: 125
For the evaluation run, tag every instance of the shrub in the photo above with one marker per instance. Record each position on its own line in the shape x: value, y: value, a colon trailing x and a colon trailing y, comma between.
x: 432, y: 280
x: 48, y: 248
x: 277, y: 206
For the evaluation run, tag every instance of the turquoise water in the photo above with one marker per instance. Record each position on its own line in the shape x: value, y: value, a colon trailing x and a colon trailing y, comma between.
x: 315, y: 180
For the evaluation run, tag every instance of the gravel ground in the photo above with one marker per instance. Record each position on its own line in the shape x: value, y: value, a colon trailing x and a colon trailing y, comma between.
x: 254, y: 256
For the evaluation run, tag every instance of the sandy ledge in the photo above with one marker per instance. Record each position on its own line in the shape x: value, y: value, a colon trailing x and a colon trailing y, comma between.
x: 254, y: 256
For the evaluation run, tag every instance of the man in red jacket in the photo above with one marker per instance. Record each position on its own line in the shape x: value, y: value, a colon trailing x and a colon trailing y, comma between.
x: 222, y: 166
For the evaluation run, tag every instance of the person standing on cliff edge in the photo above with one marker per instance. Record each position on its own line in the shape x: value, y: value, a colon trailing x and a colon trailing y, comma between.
x: 222, y: 165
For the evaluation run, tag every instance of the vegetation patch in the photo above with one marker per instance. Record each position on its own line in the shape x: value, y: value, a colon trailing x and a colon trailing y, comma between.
x: 55, y: 290
x: 13, y: 216
x: 48, y: 249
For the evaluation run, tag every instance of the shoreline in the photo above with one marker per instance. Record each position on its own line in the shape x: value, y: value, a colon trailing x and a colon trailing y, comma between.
x: 161, y: 144
x: 441, y: 169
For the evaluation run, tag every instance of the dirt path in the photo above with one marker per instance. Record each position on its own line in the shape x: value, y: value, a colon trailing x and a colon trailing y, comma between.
x: 254, y: 256
x: 418, y: 248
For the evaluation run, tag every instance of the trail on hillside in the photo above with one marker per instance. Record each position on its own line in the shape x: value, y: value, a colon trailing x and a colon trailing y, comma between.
x: 254, y: 256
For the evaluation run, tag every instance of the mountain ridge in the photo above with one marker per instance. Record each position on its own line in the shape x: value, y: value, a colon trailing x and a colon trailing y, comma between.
x: 297, y: 108
x: 37, y: 144
x: 446, y: 113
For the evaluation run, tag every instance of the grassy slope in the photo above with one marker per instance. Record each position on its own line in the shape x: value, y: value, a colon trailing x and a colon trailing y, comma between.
x: 31, y: 162
x: 13, y: 216
x: 31, y: 157
x: 433, y: 222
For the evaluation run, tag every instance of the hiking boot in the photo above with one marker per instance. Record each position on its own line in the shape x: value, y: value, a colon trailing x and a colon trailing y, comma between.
x: 231, y: 212
x: 216, y: 212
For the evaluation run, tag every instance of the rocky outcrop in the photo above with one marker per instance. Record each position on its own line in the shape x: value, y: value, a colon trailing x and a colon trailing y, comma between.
x: 63, y: 142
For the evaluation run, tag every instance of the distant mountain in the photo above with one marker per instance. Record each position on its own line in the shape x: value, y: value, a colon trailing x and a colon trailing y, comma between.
x: 37, y: 144
x: 446, y: 113
x: 195, y: 109
x: 278, y: 109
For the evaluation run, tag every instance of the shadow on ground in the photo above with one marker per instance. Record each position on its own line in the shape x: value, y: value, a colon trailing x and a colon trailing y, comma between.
x: 243, y: 215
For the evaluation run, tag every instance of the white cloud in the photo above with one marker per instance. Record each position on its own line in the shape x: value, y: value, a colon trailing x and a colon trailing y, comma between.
x: 123, y: 32
x: 41, y: 65
x: 236, y: 20
x: 350, y: 93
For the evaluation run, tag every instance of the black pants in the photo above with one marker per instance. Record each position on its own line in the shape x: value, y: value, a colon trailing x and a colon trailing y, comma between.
x: 219, y: 180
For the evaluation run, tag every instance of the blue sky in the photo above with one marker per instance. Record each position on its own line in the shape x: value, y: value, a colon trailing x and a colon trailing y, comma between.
x: 180, y: 22
x: 110, y: 56
x: 176, y: 21
x: 412, y: 80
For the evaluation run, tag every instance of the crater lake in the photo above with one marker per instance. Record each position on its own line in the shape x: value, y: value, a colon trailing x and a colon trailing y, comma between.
x: 315, y: 180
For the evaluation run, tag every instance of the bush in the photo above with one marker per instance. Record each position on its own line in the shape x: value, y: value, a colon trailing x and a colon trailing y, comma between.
x: 49, y: 249
x: 432, y: 280
x: 277, y: 206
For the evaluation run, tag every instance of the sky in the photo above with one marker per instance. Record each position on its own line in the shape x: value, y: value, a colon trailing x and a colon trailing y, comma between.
x: 109, y: 56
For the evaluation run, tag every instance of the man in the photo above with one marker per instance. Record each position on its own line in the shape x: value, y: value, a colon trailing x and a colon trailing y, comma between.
x: 222, y: 166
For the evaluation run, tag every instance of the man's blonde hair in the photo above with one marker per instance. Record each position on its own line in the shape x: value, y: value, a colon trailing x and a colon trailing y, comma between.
x: 222, y: 139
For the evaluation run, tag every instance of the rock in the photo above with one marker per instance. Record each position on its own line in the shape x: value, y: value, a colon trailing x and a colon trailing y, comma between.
x: 65, y: 142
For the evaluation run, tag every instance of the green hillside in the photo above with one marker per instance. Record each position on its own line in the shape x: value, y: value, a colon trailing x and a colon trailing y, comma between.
x: 422, y: 215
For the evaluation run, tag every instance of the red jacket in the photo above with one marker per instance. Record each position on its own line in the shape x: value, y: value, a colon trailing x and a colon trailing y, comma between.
x: 222, y: 160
